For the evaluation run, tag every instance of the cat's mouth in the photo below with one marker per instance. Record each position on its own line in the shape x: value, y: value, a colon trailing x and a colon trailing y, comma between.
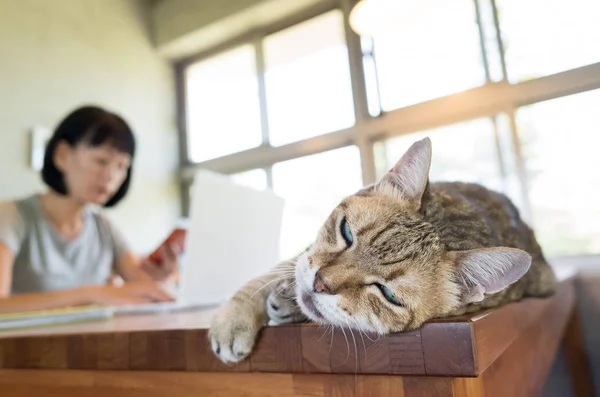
x: 310, y: 306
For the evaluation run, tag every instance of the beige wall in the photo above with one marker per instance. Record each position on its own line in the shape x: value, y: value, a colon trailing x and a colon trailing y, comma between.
x: 59, y: 54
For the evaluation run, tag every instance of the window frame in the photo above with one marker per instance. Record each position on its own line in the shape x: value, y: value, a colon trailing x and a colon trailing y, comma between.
x: 490, y: 100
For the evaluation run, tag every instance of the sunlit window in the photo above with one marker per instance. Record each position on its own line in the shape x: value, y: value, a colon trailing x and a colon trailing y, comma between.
x: 465, y: 152
x: 433, y: 51
x: 312, y: 187
x: 542, y: 156
x: 543, y: 37
x: 560, y: 141
x: 308, y: 84
x: 222, y: 105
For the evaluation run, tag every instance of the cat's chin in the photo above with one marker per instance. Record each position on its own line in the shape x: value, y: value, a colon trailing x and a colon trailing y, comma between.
x: 308, y: 307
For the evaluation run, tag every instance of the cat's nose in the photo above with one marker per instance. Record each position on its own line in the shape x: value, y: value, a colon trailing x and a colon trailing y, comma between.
x: 320, y: 286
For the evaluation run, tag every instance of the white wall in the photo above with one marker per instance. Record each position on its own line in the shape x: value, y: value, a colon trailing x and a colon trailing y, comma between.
x: 59, y: 54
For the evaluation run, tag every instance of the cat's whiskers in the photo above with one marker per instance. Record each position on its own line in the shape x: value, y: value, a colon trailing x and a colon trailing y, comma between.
x: 327, y: 329
x: 293, y: 301
x: 368, y: 337
x: 364, y: 345
x: 331, y: 343
x: 355, y: 346
x: 288, y: 287
x: 286, y: 272
x: 280, y: 278
x: 347, y: 344
x: 278, y: 293
x: 282, y: 271
x: 360, y: 332
x: 291, y: 285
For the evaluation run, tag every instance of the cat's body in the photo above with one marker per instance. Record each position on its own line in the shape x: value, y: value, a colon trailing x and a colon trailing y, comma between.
x: 469, y: 216
x: 391, y: 257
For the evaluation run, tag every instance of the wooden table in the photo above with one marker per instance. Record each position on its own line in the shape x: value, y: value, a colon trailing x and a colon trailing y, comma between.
x: 506, y: 352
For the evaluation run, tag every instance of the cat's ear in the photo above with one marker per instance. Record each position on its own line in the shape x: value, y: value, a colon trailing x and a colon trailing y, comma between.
x: 408, y: 178
x: 489, y: 270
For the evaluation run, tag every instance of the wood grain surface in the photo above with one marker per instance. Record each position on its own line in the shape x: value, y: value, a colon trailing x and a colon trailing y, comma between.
x: 507, y: 351
x: 38, y: 383
x: 577, y: 358
x: 461, y: 346
x: 521, y: 370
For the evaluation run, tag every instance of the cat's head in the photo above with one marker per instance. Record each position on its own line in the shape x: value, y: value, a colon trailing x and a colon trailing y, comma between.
x: 378, y: 266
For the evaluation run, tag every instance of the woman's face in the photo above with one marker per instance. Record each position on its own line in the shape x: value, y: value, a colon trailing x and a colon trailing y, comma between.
x: 92, y: 174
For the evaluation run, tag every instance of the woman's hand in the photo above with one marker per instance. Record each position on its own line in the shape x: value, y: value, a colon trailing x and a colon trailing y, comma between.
x: 169, y: 255
x: 129, y: 293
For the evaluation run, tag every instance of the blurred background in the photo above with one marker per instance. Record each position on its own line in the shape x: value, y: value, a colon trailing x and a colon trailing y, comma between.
x: 315, y: 98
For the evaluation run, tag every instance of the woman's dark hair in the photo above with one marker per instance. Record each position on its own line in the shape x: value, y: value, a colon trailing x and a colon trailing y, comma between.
x: 92, y: 126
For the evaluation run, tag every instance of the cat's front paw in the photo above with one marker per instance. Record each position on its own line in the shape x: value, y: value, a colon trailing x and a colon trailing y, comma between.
x: 282, y: 307
x: 233, y: 332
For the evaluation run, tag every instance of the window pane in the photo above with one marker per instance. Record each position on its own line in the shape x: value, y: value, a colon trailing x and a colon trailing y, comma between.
x: 371, y: 81
x: 312, y: 186
x: 223, y: 114
x: 256, y: 179
x: 433, y: 51
x: 490, y: 37
x: 308, y: 80
x: 513, y: 184
x: 463, y: 152
x: 543, y: 37
x: 560, y: 142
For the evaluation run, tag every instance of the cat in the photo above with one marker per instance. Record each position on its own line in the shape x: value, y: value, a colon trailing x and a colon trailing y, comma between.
x: 392, y: 256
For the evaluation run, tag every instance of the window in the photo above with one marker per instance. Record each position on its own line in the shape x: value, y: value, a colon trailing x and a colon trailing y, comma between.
x: 256, y: 179
x: 543, y: 37
x: 307, y: 78
x: 490, y: 40
x: 461, y: 152
x: 222, y: 105
x: 435, y: 51
x: 312, y: 187
x: 560, y: 141
x: 264, y: 101
x: 371, y: 79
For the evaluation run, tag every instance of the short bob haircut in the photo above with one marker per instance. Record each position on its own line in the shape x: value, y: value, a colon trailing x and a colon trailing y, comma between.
x: 91, y: 126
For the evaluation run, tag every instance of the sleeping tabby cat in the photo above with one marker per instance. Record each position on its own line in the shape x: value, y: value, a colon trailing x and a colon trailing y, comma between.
x: 393, y: 256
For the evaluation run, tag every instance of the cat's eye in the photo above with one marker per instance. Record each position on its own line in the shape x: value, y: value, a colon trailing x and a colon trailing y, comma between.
x: 389, y: 295
x: 346, y: 232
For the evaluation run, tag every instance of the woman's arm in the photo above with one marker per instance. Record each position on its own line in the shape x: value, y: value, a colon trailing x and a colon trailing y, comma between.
x: 133, y: 268
x: 7, y: 259
x: 137, y: 292
x: 129, y: 267
x: 169, y: 260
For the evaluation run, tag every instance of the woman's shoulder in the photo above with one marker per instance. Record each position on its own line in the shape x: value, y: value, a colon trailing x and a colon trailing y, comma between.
x: 22, y: 208
x: 9, y: 210
x: 15, y: 206
x: 14, y: 218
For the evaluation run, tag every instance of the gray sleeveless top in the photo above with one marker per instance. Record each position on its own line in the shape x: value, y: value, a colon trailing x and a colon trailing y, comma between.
x: 45, y: 261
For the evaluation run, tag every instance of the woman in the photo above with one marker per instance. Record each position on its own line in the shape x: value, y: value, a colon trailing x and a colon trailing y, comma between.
x: 58, y: 249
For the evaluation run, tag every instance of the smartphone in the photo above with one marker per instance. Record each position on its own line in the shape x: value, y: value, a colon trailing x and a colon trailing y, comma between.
x: 176, y: 237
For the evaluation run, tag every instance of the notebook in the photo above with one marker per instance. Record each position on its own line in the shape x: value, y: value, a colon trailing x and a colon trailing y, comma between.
x: 54, y: 316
